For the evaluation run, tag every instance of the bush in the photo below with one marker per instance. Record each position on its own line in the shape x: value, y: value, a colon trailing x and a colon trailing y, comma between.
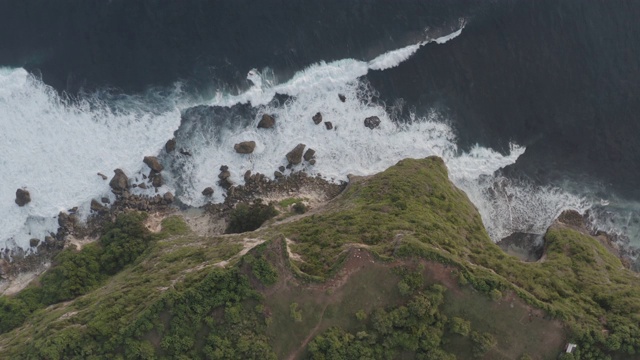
x: 249, y: 217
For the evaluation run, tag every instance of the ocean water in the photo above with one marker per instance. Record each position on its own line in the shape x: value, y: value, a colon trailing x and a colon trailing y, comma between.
x: 514, y: 120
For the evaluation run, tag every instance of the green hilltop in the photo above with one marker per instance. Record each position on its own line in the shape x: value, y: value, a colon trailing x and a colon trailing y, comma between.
x: 398, y: 266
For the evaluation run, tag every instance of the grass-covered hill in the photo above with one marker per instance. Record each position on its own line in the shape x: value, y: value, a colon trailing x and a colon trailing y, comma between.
x: 398, y: 266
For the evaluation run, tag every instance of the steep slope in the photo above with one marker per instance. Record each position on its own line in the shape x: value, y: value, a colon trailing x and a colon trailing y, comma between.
x: 398, y: 266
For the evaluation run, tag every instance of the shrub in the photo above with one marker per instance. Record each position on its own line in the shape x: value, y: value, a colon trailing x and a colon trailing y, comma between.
x: 249, y: 217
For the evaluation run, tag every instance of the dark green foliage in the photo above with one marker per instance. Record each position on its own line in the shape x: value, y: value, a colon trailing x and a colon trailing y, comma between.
x: 482, y: 342
x: 74, y: 273
x: 124, y: 242
x: 264, y: 271
x: 416, y: 328
x: 249, y: 217
x: 459, y: 326
x: 299, y: 207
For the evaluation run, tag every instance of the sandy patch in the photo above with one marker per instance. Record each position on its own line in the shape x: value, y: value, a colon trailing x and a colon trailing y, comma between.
x: 292, y: 255
x: 15, y: 284
x: 79, y: 243
x: 203, y: 223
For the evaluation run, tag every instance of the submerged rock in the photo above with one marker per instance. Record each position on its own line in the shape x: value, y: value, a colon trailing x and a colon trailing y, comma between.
x: 34, y: 242
x: 372, y: 122
x: 295, y: 156
x: 245, y: 147
x: 267, y: 122
x: 170, y: 146
x: 153, y: 163
x: 22, y: 197
x: 97, y: 206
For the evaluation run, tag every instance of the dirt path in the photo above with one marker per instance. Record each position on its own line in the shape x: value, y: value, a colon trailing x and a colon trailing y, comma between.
x: 247, y: 244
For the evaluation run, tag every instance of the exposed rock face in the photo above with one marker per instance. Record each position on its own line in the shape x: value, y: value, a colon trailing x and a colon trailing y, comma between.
x: 207, y: 191
x: 328, y: 125
x: 267, y: 122
x: 309, y: 154
x: 245, y: 147
x: 96, y: 206
x: 22, y: 197
x: 342, y: 97
x: 317, y: 118
x: 153, y: 163
x: 372, y: 122
x: 119, y: 182
x: 170, y: 146
x: 295, y: 156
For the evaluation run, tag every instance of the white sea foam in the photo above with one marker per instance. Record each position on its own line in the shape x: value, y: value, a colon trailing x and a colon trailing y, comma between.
x: 55, y: 149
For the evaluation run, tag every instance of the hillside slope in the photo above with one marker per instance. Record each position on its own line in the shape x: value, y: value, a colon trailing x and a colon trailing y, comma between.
x: 398, y: 266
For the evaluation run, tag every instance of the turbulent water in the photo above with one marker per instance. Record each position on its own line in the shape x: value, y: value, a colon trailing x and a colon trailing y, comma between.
x: 525, y: 100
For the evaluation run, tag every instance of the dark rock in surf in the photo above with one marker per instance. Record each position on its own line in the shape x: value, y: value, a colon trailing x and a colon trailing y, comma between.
x: 245, y: 147
x: 168, y: 197
x: 278, y: 175
x: 157, y: 180
x: 267, y: 122
x: 103, y: 176
x: 142, y: 186
x: 170, y: 146
x: 225, y: 174
x: 153, y: 163
x: 312, y: 162
x: 247, y: 175
x: 185, y: 152
x: 97, y: 206
x: 328, y: 125
x: 22, y: 197
x: 105, y: 200
x: 295, y: 156
x: 309, y: 154
x: 119, y: 182
x: 208, y: 191
x: 372, y: 122
x: 34, y: 242
x: 282, y: 168
x: 317, y: 118
x: 342, y: 97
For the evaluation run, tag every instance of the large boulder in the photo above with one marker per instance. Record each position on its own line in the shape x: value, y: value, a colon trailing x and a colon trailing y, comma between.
x: 208, y: 191
x: 22, y: 197
x: 168, y: 197
x: 372, y: 122
x: 317, y: 118
x: 309, y: 154
x: 170, y: 146
x: 295, y: 156
x: 119, y: 182
x: 245, y: 147
x: 156, y: 180
x: 153, y: 163
x: 342, y: 97
x: 267, y: 122
x: 328, y: 125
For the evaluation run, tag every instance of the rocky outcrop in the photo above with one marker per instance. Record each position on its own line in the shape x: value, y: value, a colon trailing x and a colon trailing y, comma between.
x: 22, y: 197
x: 295, y: 156
x: 156, y: 179
x: 153, y: 163
x: 224, y: 176
x: 168, y: 197
x: 97, y: 206
x: 208, y: 191
x: 317, y: 118
x: 372, y: 122
x: 328, y: 125
x: 170, y: 146
x: 34, y: 242
x: 120, y: 182
x: 342, y: 97
x: 267, y: 122
x: 245, y: 147
x: 309, y: 154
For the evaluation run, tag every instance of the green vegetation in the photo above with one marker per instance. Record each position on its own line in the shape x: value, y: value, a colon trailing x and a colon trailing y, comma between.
x: 249, y: 217
x: 361, y: 282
